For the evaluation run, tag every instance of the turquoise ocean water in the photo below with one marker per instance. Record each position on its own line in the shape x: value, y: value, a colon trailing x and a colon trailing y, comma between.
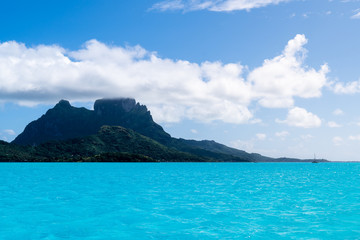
x: 179, y: 201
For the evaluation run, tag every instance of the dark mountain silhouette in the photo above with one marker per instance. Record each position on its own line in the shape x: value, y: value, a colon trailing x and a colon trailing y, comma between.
x: 110, y: 144
x: 115, y: 129
x: 65, y: 121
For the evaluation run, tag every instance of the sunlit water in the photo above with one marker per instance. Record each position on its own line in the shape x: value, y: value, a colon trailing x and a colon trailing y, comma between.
x: 179, y: 201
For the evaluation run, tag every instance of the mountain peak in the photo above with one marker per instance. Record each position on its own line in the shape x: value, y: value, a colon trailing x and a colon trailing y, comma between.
x: 65, y: 121
x: 63, y: 103
x: 114, y: 105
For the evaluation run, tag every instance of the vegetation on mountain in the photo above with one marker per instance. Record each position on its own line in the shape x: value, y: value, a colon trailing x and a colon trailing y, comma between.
x: 109, y: 142
x: 14, y: 153
x: 65, y: 121
x: 116, y: 130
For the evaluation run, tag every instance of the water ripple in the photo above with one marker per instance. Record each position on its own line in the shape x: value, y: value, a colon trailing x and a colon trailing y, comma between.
x: 179, y: 201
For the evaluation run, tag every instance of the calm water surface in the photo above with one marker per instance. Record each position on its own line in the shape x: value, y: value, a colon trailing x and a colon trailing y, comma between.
x: 179, y: 201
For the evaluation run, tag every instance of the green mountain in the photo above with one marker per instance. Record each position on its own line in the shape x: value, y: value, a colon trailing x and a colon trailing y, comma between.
x: 112, y: 143
x: 116, y: 130
x: 65, y: 121
x: 15, y: 153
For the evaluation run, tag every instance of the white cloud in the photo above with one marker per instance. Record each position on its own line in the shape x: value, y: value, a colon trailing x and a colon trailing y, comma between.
x: 194, y: 131
x: 9, y: 132
x: 299, y: 117
x: 357, y: 14
x: 168, y: 5
x: 337, y: 141
x: 332, y: 124
x: 261, y: 136
x: 213, y: 5
x: 347, y: 88
x: 282, y: 134
x: 172, y: 89
x: 280, y: 79
x: 338, y: 112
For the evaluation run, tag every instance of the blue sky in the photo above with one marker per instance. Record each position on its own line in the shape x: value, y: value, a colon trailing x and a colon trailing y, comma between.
x: 277, y: 77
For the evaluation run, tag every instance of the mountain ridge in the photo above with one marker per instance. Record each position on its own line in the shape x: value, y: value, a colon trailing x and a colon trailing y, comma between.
x: 64, y: 122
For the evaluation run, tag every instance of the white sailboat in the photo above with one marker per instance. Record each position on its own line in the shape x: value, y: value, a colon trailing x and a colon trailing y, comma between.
x: 315, y: 161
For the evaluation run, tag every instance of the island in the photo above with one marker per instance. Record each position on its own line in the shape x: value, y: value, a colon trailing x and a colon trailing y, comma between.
x: 117, y: 130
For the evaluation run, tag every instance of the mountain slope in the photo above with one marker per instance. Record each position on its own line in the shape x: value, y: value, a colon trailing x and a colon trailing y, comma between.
x: 59, y: 123
x: 110, y: 144
x: 209, y: 148
x: 14, y: 153
x: 65, y: 122
x: 111, y: 140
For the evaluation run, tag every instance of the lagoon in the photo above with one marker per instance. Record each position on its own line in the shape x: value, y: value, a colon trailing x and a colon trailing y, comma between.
x: 179, y: 201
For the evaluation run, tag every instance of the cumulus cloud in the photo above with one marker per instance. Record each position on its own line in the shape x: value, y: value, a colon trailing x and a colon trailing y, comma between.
x: 213, y: 5
x: 172, y: 89
x: 280, y: 79
x: 299, y: 117
x: 347, y: 88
